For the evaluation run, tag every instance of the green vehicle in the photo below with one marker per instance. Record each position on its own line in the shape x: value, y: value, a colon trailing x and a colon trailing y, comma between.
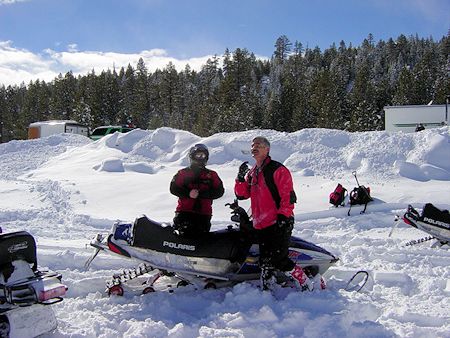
x: 99, y: 132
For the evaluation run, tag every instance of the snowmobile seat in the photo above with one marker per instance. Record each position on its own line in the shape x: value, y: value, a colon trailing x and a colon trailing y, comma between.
x: 14, y: 246
x: 433, y: 221
x: 227, y: 244
x: 440, y: 217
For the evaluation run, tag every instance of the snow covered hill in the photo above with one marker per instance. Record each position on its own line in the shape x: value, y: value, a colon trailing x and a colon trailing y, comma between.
x: 64, y: 189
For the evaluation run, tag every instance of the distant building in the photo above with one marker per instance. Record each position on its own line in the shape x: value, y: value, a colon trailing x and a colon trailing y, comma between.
x: 47, y: 128
x: 407, y: 118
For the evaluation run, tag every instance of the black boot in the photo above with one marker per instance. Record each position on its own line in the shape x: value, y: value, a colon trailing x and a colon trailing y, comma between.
x: 267, y: 278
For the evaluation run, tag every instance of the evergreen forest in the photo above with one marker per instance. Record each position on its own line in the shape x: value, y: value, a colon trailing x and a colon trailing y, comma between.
x: 343, y: 87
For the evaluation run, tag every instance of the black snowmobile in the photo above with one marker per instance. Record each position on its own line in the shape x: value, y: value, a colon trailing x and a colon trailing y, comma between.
x: 433, y: 221
x: 219, y: 258
x: 25, y: 291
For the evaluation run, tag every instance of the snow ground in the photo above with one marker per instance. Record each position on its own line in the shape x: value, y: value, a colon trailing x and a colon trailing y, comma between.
x: 64, y: 189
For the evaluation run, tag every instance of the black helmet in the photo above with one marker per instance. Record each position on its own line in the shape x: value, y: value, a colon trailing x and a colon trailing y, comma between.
x: 199, y: 155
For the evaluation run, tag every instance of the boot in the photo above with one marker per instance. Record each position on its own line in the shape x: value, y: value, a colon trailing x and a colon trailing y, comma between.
x: 267, y: 277
x: 300, y: 278
x: 319, y: 280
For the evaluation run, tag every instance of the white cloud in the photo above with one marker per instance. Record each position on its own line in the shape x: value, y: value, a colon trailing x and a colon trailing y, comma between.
x: 9, y: 2
x: 20, y: 65
x: 72, y: 47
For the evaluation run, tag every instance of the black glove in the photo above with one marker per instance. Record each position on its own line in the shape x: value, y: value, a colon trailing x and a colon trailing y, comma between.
x: 243, y: 170
x: 285, y: 222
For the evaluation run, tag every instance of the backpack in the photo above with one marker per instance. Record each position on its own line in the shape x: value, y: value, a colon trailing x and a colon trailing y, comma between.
x: 268, y: 172
x: 359, y: 195
x: 337, y: 197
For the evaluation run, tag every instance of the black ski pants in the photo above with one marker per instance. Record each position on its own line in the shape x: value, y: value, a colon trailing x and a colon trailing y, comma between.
x: 274, y: 247
x: 190, y: 224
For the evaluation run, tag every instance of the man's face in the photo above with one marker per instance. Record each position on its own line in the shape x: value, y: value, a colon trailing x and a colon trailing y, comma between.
x: 259, y: 150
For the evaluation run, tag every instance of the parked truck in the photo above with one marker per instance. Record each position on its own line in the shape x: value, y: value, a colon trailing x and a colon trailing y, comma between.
x: 47, y: 128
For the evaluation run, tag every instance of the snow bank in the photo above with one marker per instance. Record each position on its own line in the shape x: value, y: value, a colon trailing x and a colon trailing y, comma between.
x: 321, y: 152
x: 17, y: 157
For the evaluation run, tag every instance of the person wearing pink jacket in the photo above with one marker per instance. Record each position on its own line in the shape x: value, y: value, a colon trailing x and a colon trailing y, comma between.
x: 269, y: 186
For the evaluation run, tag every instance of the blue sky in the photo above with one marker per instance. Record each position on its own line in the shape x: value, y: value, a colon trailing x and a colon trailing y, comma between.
x: 39, y: 38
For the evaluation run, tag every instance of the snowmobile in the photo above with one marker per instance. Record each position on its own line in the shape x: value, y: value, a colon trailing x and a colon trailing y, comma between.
x: 433, y: 221
x: 218, y: 258
x: 26, y: 291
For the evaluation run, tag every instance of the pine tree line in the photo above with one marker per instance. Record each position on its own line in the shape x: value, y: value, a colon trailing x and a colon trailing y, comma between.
x: 344, y: 87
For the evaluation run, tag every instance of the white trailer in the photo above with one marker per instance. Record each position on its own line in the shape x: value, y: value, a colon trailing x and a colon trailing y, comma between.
x: 406, y: 118
x: 47, y: 128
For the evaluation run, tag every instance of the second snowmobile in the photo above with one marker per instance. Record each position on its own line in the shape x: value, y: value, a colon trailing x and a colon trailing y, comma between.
x: 218, y: 258
x: 433, y: 221
x: 25, y: 290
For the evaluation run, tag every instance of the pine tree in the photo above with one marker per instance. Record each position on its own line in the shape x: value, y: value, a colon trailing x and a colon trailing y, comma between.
x: 154, y: 82
x: 235, y: 90
x: 142, y: 107
x: 14, y: 126
x: 325, y: 101
x: 365, y: 115
x: 282, y: 49
x: 404, y: 90
x: 84, y: 99
x: 107, y: 96
x: 442, y: 81
x: 168, y: 92
x: 297, y: 87
x: 209, y: 79
x: 190, y: 99
x: 30, y: 110
x: 281, y: 96
x: 62, y: 104
x: 127, y: 84
x: 343, y: 70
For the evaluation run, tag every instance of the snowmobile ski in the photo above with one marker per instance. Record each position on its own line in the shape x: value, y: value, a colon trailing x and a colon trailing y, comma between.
x: 99, y: 239
x: 394, y: 225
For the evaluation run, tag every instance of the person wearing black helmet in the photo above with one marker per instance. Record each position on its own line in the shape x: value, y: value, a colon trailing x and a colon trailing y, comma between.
x: 196, y: 187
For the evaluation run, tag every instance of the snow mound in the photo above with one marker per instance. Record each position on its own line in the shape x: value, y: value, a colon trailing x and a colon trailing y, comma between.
x: 410, y: 170
x: 432, y: 147
x: 117, y: 165
x: 142, y: 167
x: 110, y: 165
x: 18, y: 157
x: 439, y: 151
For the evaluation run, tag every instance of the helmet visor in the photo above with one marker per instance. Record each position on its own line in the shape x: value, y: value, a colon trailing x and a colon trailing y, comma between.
x: 199, y: 155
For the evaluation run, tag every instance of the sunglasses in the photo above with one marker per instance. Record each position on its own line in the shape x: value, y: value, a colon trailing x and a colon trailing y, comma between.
x: 258, y: 146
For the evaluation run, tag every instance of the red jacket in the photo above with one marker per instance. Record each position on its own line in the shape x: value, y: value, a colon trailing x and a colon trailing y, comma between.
x: 263, y: 205
x: 206, y: 181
